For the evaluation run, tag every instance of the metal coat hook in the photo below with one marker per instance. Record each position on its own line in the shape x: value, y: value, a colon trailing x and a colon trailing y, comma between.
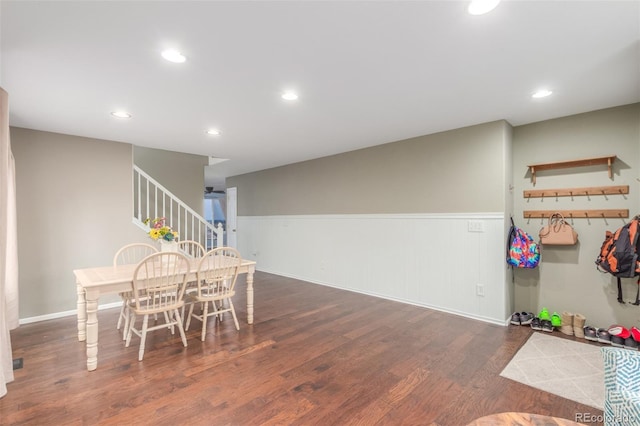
x: 587, y: 194
x: 571, y: 193
x: 605, y: 195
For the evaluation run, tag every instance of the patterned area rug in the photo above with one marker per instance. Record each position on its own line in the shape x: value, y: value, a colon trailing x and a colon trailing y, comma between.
x: 562, y: 367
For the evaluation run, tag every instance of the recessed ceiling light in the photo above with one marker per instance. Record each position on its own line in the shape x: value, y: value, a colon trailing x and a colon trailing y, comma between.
x: 541, y: 93
x: 289, y: 96
x: 480, y: 7
x: 173, y: 55
x: 121, y: 114
x: 214, y: 132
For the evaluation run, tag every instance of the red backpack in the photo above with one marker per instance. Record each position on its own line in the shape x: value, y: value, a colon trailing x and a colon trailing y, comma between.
x: 619, y: 255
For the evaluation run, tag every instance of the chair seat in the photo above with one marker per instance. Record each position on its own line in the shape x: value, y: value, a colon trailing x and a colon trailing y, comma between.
x: 147, y: 308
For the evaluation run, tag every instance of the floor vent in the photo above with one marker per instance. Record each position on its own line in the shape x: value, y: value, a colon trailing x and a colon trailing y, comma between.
x: 17, y: 363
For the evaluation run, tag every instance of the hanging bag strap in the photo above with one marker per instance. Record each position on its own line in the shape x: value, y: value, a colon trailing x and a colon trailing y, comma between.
x: 547, y: 228
x: 620, y: 299
x: 637, y: 302
x: 558, y: 221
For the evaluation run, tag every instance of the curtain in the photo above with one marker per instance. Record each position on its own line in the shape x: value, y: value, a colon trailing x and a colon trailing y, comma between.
x: 8, y: 247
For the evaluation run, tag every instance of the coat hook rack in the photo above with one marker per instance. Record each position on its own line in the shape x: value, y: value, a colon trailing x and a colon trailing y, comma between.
x: 585, y: 214
x: 571, y: 192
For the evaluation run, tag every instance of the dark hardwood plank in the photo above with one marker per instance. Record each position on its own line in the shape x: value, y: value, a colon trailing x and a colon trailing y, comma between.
x: 315, y: 355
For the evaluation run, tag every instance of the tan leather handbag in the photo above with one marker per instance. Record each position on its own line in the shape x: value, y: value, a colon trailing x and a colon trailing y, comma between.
x: 558, y: 232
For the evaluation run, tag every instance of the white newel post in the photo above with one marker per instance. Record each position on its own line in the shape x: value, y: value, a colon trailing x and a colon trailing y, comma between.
x: 219, y: 235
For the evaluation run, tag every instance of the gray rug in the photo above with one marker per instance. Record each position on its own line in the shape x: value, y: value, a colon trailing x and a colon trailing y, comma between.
x: 562, y: 367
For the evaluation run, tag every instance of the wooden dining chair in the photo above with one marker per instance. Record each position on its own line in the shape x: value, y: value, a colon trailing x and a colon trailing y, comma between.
x: 129, y: 254
x: 191, y: 248
x: 216, y: 280
x: 194, y: 250
x: 158, y: 287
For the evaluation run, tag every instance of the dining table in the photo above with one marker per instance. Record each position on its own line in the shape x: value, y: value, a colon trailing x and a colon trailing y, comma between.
x: 91, y: 283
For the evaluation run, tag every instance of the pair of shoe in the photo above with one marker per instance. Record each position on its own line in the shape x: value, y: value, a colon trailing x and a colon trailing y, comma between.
x: 542, y: 325
x: 622, y: 337
x: 573, y: 324
x: 547, y: 321
x: 521, y: 318
x: 590, y: 333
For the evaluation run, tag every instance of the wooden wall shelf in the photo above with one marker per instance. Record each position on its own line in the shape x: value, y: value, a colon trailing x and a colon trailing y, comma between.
x: 578, y: 214
x: 576, y: 192
x: 572, y: 163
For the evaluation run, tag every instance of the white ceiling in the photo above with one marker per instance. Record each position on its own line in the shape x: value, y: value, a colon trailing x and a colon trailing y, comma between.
x: 367, y: 72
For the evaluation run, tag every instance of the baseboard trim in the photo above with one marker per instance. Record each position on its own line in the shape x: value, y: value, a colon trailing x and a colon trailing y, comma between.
x: 408, y: 302
x: 63, y: 314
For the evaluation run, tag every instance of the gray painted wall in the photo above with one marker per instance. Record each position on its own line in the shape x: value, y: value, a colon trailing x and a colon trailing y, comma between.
x: 567, y: 278
x: 461, y: 170
x: 74, y: 211
x: 182, y: 174
x: 74, y: 207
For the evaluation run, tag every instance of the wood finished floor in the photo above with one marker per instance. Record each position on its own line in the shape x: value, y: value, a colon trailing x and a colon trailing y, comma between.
x: 314, y: 356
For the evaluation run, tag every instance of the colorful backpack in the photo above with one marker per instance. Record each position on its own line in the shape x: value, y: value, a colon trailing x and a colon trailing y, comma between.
x: 522, y: 250
x: 619, y: 255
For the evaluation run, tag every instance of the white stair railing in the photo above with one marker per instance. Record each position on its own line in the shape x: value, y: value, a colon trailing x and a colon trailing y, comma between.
x: 152, y: 200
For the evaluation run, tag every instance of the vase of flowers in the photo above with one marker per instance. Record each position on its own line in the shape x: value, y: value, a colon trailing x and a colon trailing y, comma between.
x: 161, y: 232
x: 168, y: 245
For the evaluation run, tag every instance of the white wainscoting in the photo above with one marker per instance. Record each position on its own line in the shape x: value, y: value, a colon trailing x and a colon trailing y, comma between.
x: 429, y: 260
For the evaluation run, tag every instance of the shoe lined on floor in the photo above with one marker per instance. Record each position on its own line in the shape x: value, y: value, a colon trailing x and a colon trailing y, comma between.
x: 635, y: 333
x: 535, y: 324
x: 619, y: 331
x: 521, y: 318
x: 630, y: 343
x: 617, y: 341
x: 603, y: 336
x: 544, y: 315
x: 567, y: 323
x: 590, y: 333
x: 578, y: 325
x: 546, y: 325
x: 526, y: 318
x: 556, y: 321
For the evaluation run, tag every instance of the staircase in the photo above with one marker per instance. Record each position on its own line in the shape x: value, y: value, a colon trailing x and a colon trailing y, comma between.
x: 152, y: 200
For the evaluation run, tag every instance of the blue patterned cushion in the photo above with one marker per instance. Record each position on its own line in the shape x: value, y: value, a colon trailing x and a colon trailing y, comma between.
x: 622, y: 386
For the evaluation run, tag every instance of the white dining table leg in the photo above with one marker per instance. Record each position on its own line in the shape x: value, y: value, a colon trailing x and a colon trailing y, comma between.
x: 92, y: 329
x: 82, y: 313
x: 250, y: 295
